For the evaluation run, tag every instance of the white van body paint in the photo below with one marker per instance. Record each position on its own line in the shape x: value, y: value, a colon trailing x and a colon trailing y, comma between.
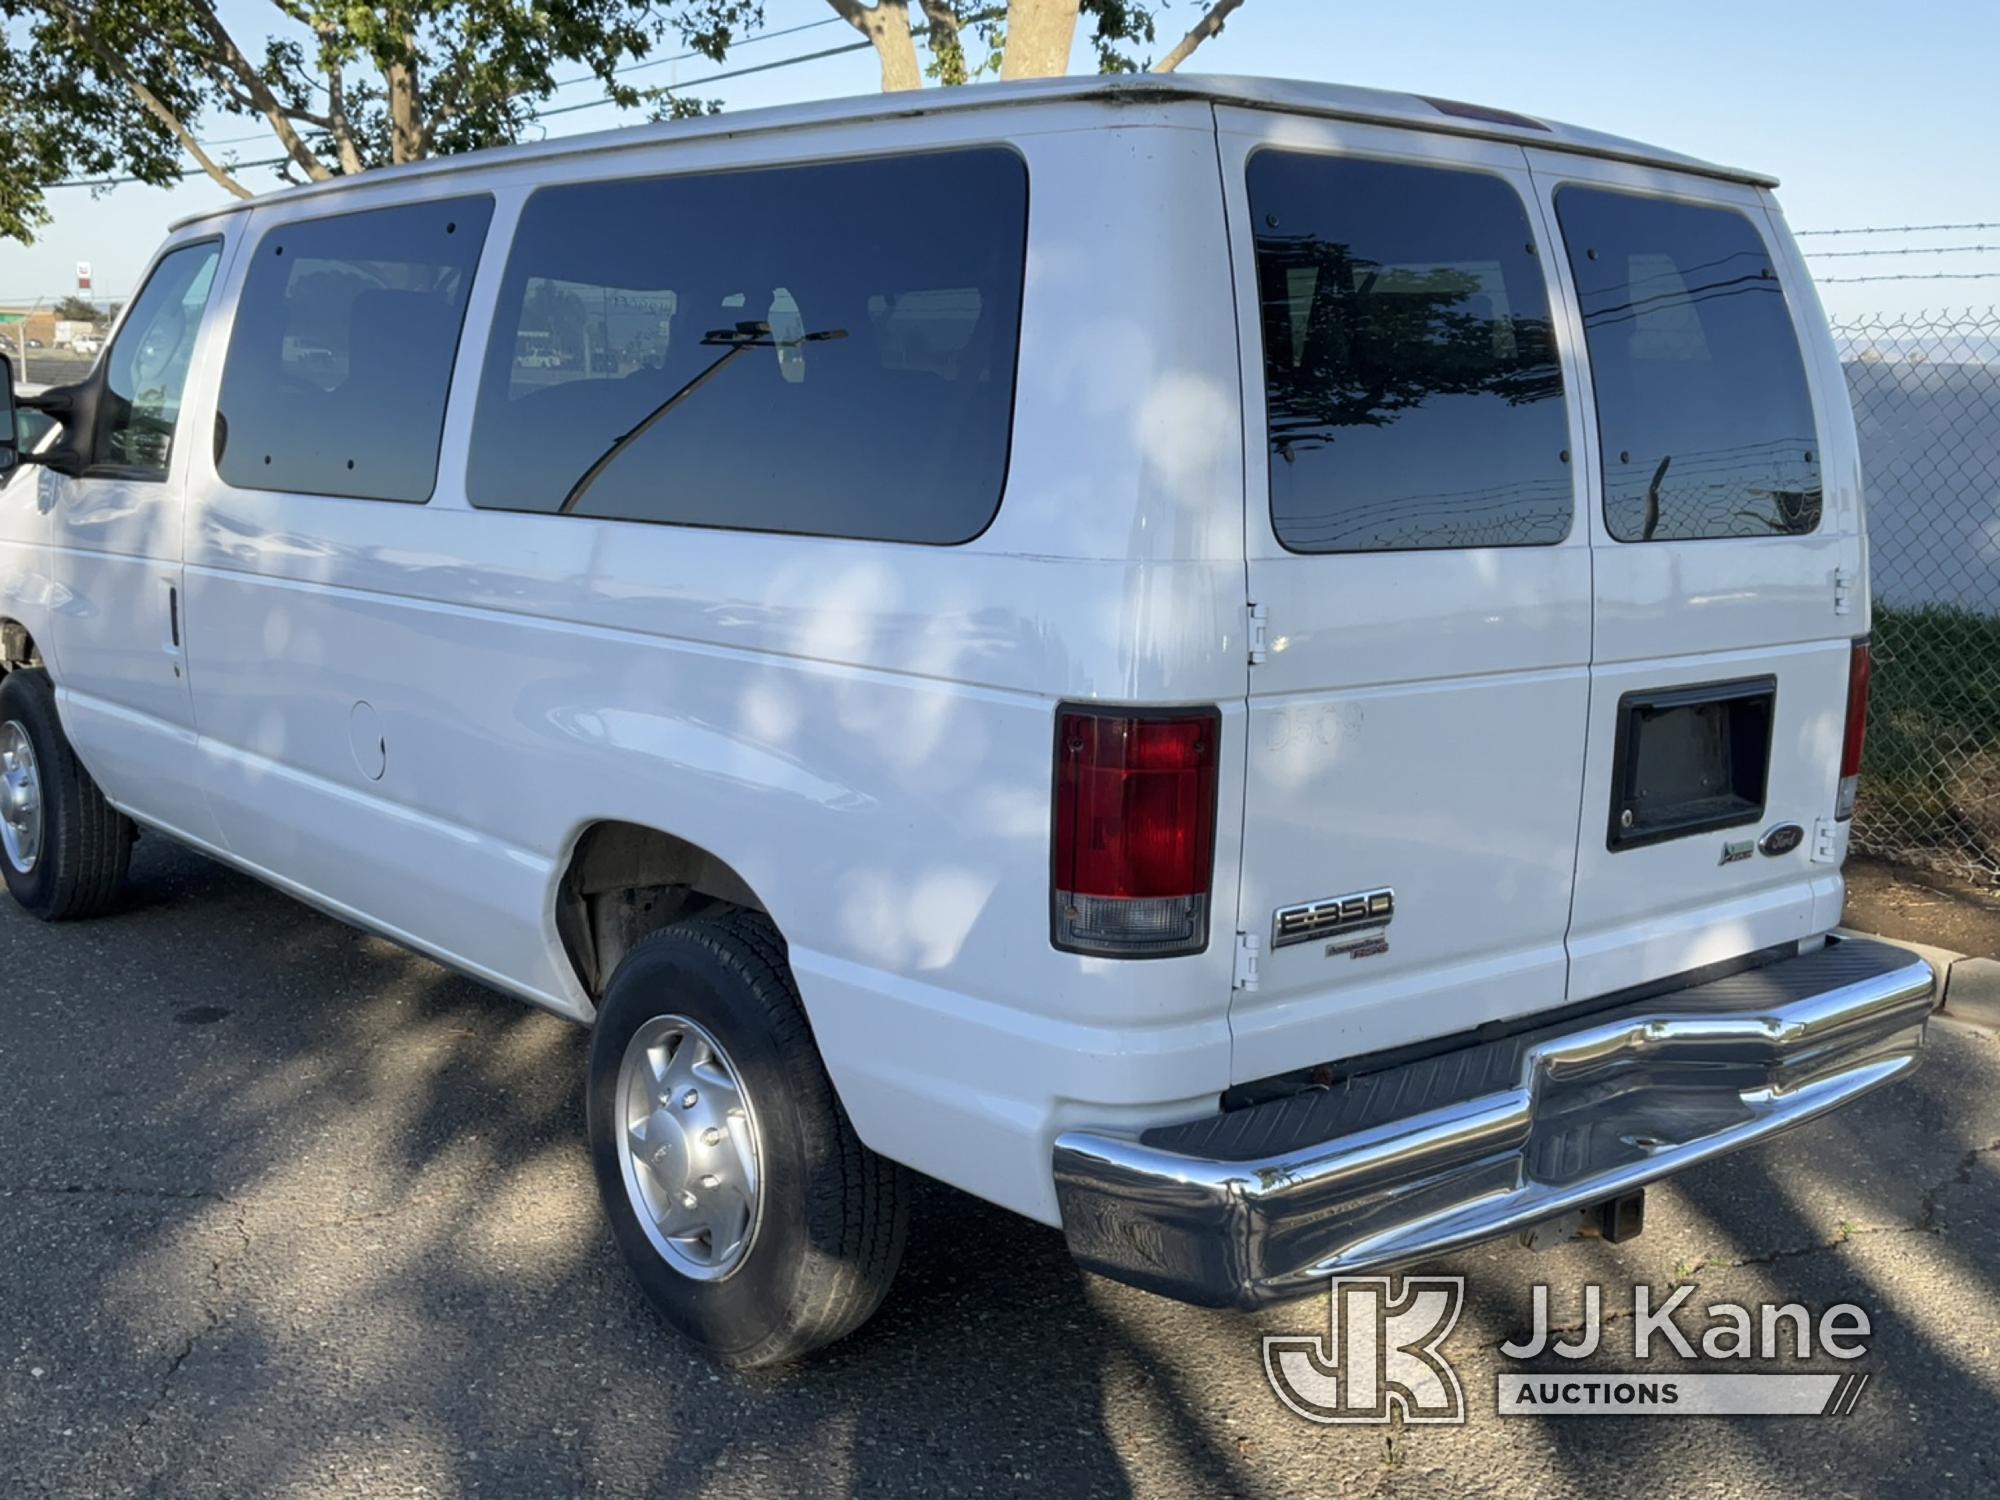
x: 862, y: 730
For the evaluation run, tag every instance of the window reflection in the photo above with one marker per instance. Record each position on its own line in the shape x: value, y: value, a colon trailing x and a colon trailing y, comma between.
x: 1703, y: 413
x: 1413, y: 392
x: 875, y: 305
x: 147, y: 368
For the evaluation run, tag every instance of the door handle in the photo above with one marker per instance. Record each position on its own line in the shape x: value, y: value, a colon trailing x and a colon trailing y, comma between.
x: 173, y: 617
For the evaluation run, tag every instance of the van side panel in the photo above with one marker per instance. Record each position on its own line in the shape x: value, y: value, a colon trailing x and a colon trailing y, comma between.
x: 863, y: 731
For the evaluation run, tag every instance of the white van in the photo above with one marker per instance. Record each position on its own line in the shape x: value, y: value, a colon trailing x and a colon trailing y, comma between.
x: 1269, y: 674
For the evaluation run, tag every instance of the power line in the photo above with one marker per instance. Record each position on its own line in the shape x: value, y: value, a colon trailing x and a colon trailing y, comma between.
x: 1894, y: 229
x: 658, y: 62
x: 637, y: 67
x: 177, y: 174
x: 783, y: 62
x: 691, y: 83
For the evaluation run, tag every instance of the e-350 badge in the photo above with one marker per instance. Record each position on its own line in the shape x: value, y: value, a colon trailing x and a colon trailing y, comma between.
x: 1355, y: 925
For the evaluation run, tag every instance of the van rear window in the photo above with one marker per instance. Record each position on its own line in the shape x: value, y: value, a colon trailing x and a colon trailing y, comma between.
x: 1412, y: 390
x: 825, y: 350
x: 1703, y: 413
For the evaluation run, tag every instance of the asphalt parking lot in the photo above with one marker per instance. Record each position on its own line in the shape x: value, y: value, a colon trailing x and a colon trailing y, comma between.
x: 286, y: 1211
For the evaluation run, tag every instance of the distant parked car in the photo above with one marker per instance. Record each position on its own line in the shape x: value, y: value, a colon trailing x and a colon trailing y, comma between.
x: 36, y: 344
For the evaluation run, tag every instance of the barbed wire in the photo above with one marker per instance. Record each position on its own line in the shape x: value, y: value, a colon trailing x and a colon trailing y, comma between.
x: 1894, y: 229
x: 1904, y: 250
x: 1913, y: 276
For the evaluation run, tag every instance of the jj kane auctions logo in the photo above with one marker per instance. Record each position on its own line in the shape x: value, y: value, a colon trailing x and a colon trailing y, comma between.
x: 1383, y: 1355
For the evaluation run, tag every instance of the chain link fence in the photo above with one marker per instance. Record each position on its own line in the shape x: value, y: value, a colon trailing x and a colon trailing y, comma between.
x: 1926, y: 392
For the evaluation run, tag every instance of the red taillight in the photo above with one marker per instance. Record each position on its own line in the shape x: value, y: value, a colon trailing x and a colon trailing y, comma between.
x: 1134, y: 830
x: 1860, y: 665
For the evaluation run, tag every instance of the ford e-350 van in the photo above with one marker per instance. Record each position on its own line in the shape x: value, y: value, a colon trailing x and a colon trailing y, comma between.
x: 1270, y: 674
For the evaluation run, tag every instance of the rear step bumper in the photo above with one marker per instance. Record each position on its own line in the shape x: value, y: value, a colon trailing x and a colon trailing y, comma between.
x: 1266, y: 1202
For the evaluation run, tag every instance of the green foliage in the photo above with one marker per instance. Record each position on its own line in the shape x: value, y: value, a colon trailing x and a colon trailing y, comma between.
x: 101, y: 88
x: 77, y: 310
x: 128, y: 89
x: 968, y: 38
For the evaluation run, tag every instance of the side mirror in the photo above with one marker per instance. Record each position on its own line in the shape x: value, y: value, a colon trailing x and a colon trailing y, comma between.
x: 10, y: 422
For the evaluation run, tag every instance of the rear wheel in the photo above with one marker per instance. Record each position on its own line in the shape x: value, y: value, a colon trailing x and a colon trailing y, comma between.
x: 63, y: 849
x: 748, y: 1209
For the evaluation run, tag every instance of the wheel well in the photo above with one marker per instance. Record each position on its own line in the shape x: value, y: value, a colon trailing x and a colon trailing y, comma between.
x: 17, y: 647
x: 625, y: 882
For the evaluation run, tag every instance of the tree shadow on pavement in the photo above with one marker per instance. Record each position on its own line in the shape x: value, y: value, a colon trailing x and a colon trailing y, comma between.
x: 289, y: 1211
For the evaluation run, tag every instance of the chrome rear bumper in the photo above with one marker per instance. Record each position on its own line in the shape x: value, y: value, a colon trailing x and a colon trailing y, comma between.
x: 1399, y: 1165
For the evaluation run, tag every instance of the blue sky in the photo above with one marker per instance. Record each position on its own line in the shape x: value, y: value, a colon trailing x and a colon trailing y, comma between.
x: 1872, y: 114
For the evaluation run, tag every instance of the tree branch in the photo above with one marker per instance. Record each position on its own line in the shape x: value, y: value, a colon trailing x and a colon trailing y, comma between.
x: 261, y: 99
x: 1208, y: 26
x: 945, y: 42
x: 335, y: 121
x: 338, y: 125
x: 115, y: 65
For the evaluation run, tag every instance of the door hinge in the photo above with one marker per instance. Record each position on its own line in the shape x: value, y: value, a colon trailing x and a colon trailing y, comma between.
x: 1249, y: 949
x: 1843, y: 591
x: 1826, y: 846
x: 1260, y: 634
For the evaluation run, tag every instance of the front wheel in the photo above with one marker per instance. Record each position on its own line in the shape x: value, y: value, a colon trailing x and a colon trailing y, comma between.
x: 63, y: 848
x: 746, y: 1206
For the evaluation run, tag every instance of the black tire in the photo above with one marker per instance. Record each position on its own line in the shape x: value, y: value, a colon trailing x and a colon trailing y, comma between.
x: 834, y: 1214
x: 86, y: 843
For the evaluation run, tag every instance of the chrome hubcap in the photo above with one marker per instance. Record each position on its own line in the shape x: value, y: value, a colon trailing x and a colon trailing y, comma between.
x: 20, y: 798
x: 687, y: 1147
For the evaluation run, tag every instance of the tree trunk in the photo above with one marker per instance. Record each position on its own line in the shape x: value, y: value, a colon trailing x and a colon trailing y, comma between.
x: 406, y: 123
x: 1039, y: 34
x: 887, y: 24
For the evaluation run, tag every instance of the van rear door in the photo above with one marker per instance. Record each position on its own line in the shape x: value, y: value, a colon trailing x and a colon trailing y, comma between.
x: 1725, y: 529
x: 1418, y: 700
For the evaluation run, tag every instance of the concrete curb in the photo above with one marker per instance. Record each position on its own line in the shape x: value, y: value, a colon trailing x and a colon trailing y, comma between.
x: 1972, y: 991
x: 1968, y: 988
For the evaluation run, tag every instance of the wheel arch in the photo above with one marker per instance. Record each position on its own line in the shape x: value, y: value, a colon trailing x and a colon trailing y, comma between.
x: 623, y: 881
x: 17, y: 647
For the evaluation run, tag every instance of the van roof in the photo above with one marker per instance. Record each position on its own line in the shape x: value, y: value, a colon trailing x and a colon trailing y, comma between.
x: 1295, y: 96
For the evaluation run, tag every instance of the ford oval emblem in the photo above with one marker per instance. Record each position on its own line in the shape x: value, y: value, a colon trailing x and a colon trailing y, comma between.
x: 1782, y: 839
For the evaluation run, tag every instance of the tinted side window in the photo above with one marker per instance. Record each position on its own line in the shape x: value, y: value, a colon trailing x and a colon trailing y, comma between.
x: 147, y: 368
x: 1702, y: 407
x: 826, y: 350
x: 1411, y: 385
x: 341, y: 358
